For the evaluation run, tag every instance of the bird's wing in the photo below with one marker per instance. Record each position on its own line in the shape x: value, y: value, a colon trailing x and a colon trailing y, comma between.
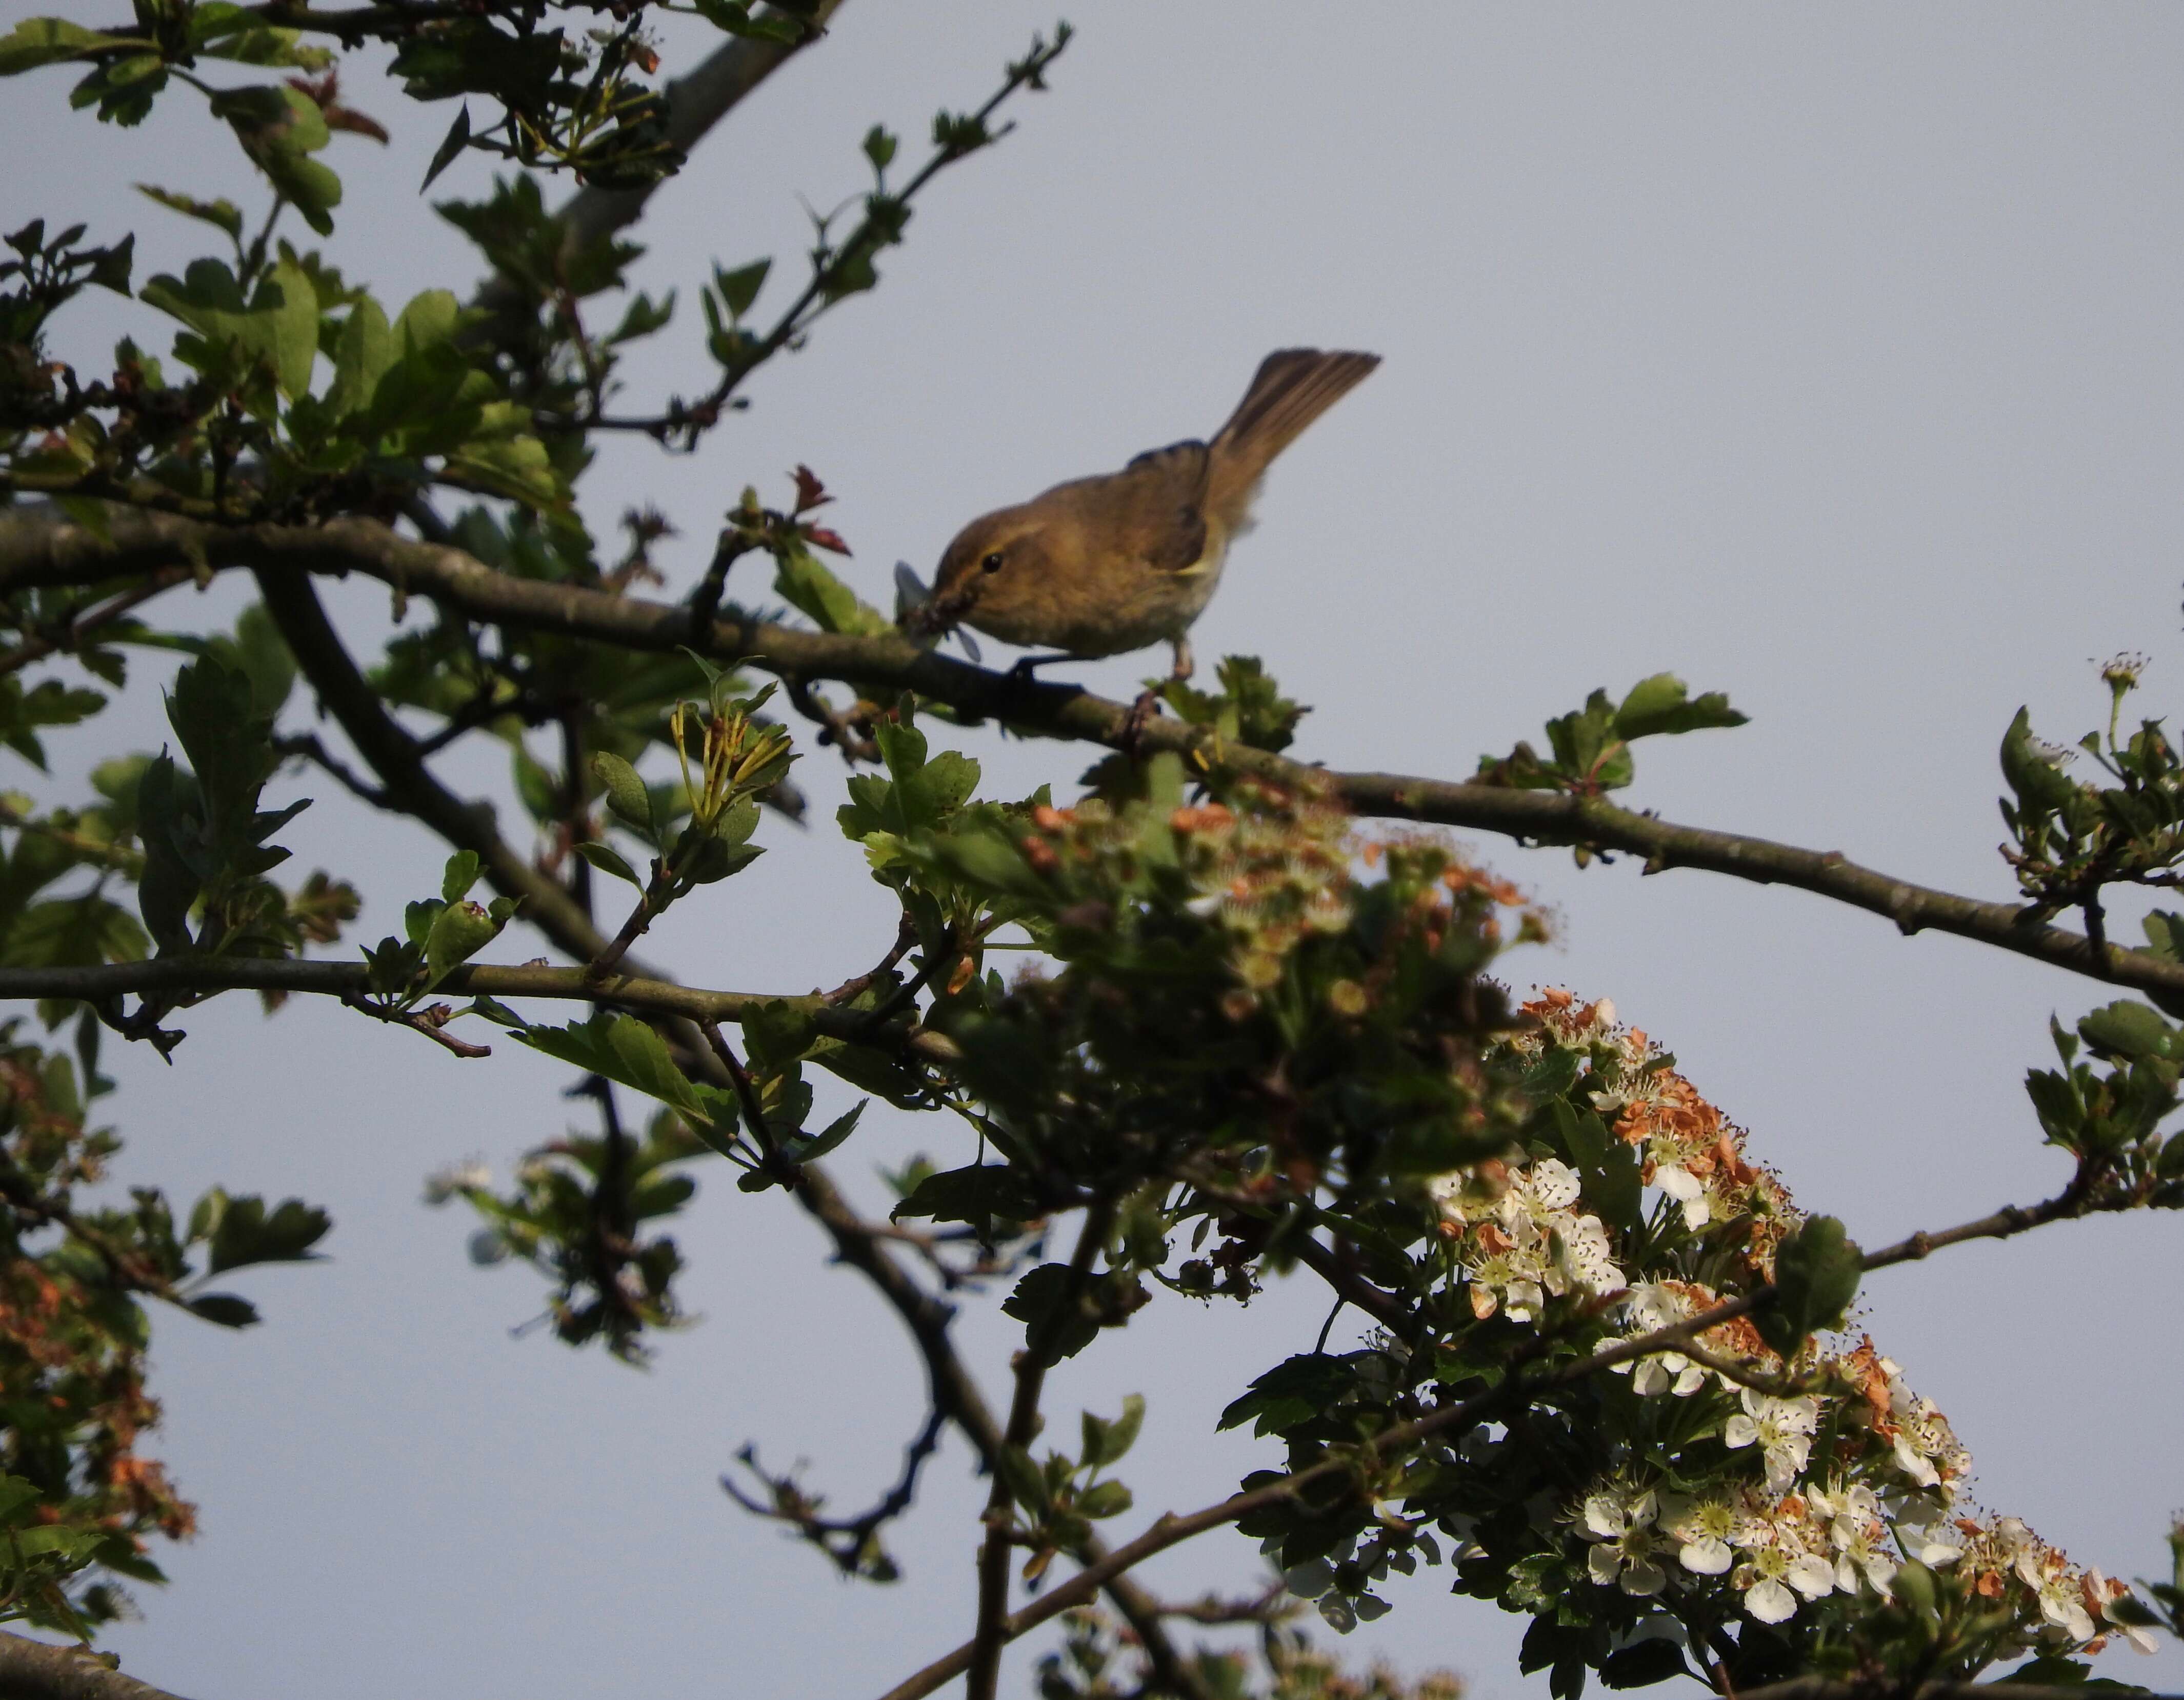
x: 1163, y: 510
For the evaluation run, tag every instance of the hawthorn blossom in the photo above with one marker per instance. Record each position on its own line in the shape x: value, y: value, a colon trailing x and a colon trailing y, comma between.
x: 1776, y: 1562
x: 1688, y: 1191
x: 1620, y: 1524
x: 1657, y: 1305
x: 1850, y: 1513
x: 1706, y: 1527
x: 2104, y: 1592
x: 1587, y: 1261
x: 1783, y: 1430
x: 2058, y: 1586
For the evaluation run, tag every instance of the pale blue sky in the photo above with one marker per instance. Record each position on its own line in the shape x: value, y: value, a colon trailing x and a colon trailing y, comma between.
x: 1828, y: 355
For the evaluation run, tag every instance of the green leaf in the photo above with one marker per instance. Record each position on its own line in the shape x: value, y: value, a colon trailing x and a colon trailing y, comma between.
x: 242, y: 1232
x: 980, y: 1194
x: 604, y: 858
x: 2032, y: 773
x: 457, y: 138
x: 1104, y: 1499
x: 224, y: 1308
x: 223, y: 215
x: 1642, y: 1664
x: 1658, y: 704
x: 802, y: 1149
x: 1816, y: 1276
x: 458, y: 933
x: 739, y: 288
x: 362, y: 355
x: 1026, y: 1485
x: 280, y: 128
x: 460, y: 874
x: 1608, y: 1167
x: 808, y: 584
x: 38, y: 41
x: 2125, y: 1029
x: 626, y: 793
x: 1053, y: 1315
x: 1105, y: 1442
x: 624, y: 1049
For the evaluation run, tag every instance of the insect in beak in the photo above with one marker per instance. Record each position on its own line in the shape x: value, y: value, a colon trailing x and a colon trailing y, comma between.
x: 917, y: 614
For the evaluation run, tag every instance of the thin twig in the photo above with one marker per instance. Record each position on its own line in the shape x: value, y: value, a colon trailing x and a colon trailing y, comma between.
x: 73, y: 631
x: 305, y: 746
x: 432, y: 1023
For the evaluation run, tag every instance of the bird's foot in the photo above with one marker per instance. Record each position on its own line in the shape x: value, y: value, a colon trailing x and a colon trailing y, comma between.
x: 1142, y: 714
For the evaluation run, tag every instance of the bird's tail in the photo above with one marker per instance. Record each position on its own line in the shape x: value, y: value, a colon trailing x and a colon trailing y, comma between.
x: 1293, y: 387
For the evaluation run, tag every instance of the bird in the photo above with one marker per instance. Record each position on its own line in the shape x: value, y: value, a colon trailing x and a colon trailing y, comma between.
x: 1122, y: 560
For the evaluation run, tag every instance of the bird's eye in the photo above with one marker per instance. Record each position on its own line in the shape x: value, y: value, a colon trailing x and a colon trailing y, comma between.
x: 992, y: 563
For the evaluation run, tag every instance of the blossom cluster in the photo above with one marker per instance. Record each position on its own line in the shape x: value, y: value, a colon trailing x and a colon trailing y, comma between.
x: 1816, y: 1477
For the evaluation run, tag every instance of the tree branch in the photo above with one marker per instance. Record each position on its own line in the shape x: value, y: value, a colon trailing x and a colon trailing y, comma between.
x: 184, y: 976
x: 1032, y: 1362
x: 409, y: 784
x: 44, y: 551
x: 39, y: 1671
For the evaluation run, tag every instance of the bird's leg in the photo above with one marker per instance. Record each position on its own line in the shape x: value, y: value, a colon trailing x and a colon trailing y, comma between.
x: 1026, y: 669
x: 1185, y: 663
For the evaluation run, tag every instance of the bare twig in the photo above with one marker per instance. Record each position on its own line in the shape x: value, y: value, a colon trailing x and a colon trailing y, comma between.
x: 905, y: 936
x: 847, y: 1541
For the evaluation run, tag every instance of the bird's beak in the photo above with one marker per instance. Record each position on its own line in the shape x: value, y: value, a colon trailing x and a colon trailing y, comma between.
x: 920, y: 615
x: 914, y: 610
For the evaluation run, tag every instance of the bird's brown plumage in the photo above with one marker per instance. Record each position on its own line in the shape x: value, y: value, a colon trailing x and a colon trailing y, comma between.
x: 1104, y: 565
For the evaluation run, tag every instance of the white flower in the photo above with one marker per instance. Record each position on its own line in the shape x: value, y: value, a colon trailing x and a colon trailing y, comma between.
x: 1782, y: 1429
x: 1706, y: 1527
x: 1671, y: 1370
x: 1620, y: 1523
x: 1858, y: 1535
x: 443, y: 1185
x: 1771, y: 1571
x: 2101, y: 1593
x: 1688, y: 1191
x: 1586, y: 1258
x: 2059, y: 1587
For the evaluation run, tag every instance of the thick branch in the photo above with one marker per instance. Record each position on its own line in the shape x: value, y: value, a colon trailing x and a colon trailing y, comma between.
x: 171, y: 977
x: 38, y: 1670
x: 35, y: 552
